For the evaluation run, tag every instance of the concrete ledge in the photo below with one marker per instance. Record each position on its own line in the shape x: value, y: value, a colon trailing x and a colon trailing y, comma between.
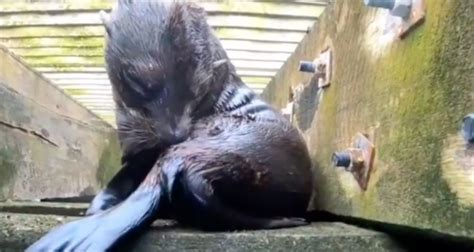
x: 44, y: 208
x: 20, y: 230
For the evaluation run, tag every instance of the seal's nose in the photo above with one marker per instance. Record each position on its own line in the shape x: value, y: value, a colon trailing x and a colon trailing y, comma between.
x: 179, y: 135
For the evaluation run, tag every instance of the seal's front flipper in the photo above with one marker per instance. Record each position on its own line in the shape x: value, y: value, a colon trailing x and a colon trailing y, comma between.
x: 103, y: 231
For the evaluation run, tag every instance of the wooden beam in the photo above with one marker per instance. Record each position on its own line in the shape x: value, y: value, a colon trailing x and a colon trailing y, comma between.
x: 73, y: 37
x: 82, y: 81
x: 284, y: 9
x: 84, y: 85
x: 82, y: 70
x: 105, y: 84
x: 71, y: 70
x: 99, y: 62
x: 45, y: 41
x: 98, y: 32
x: 94, y: 42
x: 66, y: 47
x: 44, y: 53
x: 69, y: 19
x: 84, y: 76
x: 75, y: 78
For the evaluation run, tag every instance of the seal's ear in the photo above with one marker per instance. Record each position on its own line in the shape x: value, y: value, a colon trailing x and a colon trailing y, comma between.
x: 105, y: 21
x: 219, y: 63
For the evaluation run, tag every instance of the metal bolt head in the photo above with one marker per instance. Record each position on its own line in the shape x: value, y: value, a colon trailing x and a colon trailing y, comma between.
x: 468, y: 128
x: 402, y: 8
x: 385, y: 4
x: 341, y: 159
x: 307, y: 66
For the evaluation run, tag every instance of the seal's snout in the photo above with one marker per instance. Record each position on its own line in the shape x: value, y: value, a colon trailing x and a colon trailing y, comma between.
x: 180, y: 135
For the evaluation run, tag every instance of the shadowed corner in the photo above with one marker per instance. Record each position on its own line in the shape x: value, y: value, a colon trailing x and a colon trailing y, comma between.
x: 411, y: 239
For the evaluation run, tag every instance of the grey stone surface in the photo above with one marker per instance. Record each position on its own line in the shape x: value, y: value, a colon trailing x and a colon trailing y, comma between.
x: 20, y: 230
x: 65, y: 209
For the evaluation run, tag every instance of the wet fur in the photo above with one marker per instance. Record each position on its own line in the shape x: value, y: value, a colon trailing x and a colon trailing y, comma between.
x: 198, y: 145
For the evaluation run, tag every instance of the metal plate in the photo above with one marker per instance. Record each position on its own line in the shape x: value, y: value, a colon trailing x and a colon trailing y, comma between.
x: 362, y: 175
x: 403, y: 26
x: 326, y: 59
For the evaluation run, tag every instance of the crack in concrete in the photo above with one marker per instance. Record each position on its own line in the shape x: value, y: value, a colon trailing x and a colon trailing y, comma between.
x: 29, y: 132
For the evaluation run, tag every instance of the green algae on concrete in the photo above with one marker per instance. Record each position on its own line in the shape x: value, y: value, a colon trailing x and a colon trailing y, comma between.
x: 409, y: 96
x: 8, y: 160
x: 110, y: 160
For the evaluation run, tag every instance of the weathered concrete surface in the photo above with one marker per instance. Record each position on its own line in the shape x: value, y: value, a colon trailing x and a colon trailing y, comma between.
x: 20, y: 230
x: 50, y: 145
x: 409, y: 96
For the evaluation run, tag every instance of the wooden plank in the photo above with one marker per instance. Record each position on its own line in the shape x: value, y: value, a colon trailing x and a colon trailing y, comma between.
x: 96, y: 82
x: 59, y: 52
x: 98, y: 31
x: 85, y: 86
x: 229, y: 45
x: 103, y: 76
x: 43, y: 42
x: 409, y: 96
x: 100, y: 61
x: 76, y: 92
x: 93, y: 19
x: 82, y: 97
x: 242, y: 73
x: 78, y: 76
x: 91, y: 43
x: 287, y: 10
x: 81, y: 70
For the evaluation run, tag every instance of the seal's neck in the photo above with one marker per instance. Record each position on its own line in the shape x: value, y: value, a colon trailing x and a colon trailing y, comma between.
x: 239, y: 99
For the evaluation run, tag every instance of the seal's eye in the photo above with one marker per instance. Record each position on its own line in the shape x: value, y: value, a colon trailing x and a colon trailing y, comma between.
x: 134, y: 83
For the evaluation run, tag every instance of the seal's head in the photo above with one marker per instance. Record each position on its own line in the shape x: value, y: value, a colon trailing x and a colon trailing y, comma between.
x: 163, y: 61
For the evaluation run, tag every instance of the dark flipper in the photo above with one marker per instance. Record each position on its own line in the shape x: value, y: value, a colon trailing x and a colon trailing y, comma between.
x: 103, y: 231
x: 128, y: 178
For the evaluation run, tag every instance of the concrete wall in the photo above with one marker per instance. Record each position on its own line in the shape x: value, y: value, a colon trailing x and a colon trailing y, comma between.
x: 50, y: 146
x: 409, y: 96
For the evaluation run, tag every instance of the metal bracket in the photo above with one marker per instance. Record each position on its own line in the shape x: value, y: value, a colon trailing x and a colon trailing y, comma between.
x: 415, y: 18
x: 468, y: 128
x: 357, y: 159
x: 404, y: 16
x: 321, y: 67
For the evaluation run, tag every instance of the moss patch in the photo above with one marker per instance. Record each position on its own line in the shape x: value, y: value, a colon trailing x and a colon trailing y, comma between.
x: 109, y: 162
x: 410, y: 98
x: 433, y: 76
x: 8, y: 163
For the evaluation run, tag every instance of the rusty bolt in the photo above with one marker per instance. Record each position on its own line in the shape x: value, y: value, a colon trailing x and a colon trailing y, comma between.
x: 468, y: 128
x: 399, y: 8
x: 341, y: 159
x: 307, y: 66
x: 385, y: 4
